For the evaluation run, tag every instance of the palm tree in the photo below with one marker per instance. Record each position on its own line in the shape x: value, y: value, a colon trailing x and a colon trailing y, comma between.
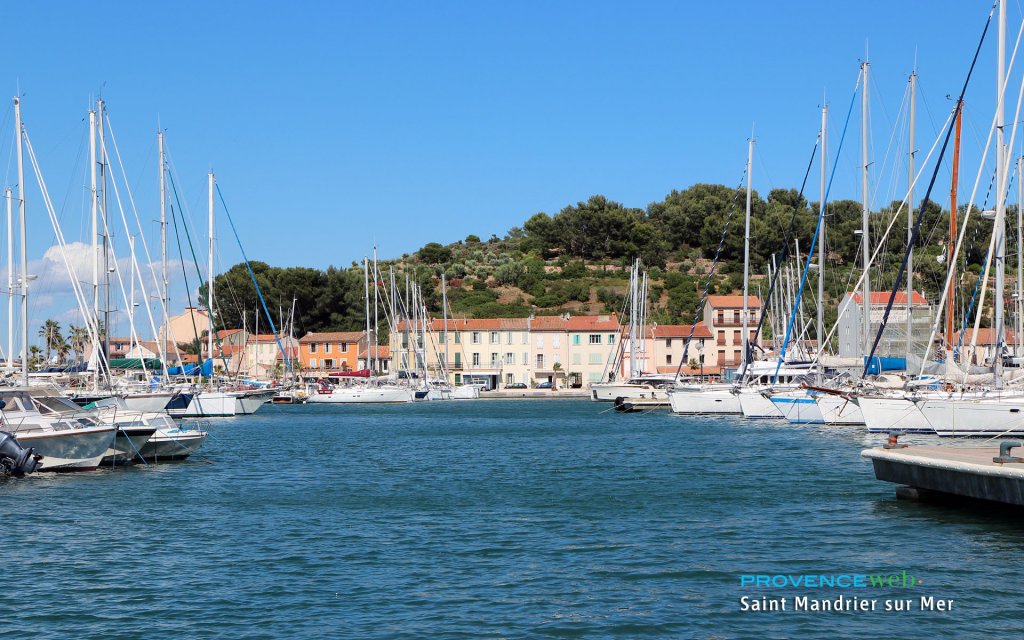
x: 34, y: 356
x: 79, y: 338
x: 50, y: 333
x: 63, y: 349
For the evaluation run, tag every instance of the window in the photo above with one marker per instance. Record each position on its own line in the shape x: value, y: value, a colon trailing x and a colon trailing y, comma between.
x: 611, y: 338
x: 526, y: 337
x: 525, y: 360
x: 735, y: 337
x: 510, y: 358
x: 721, y: 356
x: 458, y: 337
x: 576, y: 340
x: 558, y: 358
x: 577, y: 358
x: 508, y: 337
x: 312, y: 348
x: 702, y: 358
x: 312, y: 363
x: 344, y: 347
x: 736, y: 316
x: 509, y: 378
x: 594, y: 376
x: 540, y: 360
x: 668, y: 343
x: 595, y: 338
x: 495, y: 338
x: 475, y: 337
x: 494, y: 360
x: 476, y: 359
x: 328, y: 363
x: 458, y: 360
x: 736, y: 355
x: 668, y: 358
x: 458, y: 378
x: 327, y: 347
x: 595, y: 358
x: 721, y: 316
x: 556, y: 341
x: 540, y: 340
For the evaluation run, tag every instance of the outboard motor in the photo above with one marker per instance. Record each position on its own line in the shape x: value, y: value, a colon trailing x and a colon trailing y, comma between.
x: 16, y: 460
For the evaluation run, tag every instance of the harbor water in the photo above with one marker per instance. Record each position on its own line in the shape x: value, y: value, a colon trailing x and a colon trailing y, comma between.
x: 503, y: 518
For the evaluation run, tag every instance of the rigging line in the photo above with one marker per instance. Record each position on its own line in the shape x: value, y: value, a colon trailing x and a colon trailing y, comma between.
x: 814, y: 239
x: 924, y: 203
x: 188, y: 292
x: 711, y: 274
x: 784, y: 254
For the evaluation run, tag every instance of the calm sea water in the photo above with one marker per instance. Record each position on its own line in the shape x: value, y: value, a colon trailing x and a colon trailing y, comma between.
x: 491, y: 519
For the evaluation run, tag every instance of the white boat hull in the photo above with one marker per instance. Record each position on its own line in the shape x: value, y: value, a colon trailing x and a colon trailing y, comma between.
x: 838, y: 409
x: 609, y: 391
x: 975, y: 417
x: 798, y: 408
x: 466, y: 392
x: 718, y: 400
x: 210, y: 404
x: 172, y: 444
x: 249, y: 402
x: 147, y: 402
x: 884, y: 414
x: 70, y: 449
x: 755, y: 404
x: 128, y: 442
x: 364, y: 395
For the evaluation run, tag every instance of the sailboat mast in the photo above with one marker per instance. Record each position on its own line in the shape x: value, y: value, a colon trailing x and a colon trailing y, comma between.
x: 94, y: 210
x: 633, y: 293
x: 24, y: 243
x: 376, y: 305
x: 910, y: 215
x: 100, y: 108
x: 209, y: 283
x: 164, y: 333
x: 366, y: 306
x: 444, y: 314
x: 10, y: 279
x: 1019, y: 324
x: 820, y: 328
x: 999, y: 264
x: 746, y: 261
x: 865, y: 212
x: 950, y: 308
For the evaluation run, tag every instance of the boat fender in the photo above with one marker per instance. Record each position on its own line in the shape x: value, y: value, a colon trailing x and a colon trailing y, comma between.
x: 1004, y: 456
x: 16, y: 460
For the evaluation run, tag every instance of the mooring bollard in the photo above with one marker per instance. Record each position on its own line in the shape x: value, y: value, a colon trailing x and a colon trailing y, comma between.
x: 893, y: 442
x: 1004, y: 456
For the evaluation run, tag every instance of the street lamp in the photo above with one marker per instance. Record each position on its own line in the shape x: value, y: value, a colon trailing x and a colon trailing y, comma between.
x: 700, y: 357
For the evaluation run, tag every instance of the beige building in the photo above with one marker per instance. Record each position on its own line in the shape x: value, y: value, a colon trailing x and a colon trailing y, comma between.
x: 186, y: 326
x: 723, y: 317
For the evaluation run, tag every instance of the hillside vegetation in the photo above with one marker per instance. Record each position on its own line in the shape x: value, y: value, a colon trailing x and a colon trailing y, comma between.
x: 577, y: 260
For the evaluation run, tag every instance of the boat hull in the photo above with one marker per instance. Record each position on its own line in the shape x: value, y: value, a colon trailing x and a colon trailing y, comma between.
x: 884, y: 414
x: 128, y: 442
x: 756, y: 405
x: 147, y: 402
x: 975, y: 418
x: 211, y: 404
x: 172, y: 444
x: 838, y: 409
x: 71, y: 449
x: 704, y: 401
x: 368, y: 395
x: 609, y: 391
x: 249, y: 402
x: 798, y: 408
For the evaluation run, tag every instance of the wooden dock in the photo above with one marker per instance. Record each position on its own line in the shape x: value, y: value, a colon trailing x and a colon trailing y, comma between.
x: 969, y: 472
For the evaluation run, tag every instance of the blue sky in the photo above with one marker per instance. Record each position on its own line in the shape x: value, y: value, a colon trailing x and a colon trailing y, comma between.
x: 332, y: 124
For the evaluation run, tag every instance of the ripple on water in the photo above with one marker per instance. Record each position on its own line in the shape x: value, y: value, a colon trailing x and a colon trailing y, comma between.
x: 488, y: 519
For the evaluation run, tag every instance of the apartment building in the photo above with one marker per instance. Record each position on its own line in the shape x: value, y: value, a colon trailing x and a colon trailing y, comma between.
x: 723, y: 317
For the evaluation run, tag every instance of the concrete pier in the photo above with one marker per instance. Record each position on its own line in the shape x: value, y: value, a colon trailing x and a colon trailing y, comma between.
x: 960, y: 471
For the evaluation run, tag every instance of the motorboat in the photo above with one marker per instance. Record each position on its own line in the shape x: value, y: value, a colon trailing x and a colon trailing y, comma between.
x: 66, y: 443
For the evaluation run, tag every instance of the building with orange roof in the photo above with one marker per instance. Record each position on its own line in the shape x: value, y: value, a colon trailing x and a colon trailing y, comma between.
x: 981, y: 350
x: 333, y: 351
x: 723, y: 317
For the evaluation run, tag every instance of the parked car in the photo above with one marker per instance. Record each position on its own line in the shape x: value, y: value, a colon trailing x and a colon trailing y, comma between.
x: 544, y: 385
x: 516, y: 385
